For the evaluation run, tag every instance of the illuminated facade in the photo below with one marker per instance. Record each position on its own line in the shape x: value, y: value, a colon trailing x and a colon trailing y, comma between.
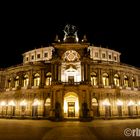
x: 70, y: 79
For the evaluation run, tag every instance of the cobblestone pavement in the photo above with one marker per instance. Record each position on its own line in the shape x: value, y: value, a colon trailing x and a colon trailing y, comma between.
x: 11, y: 129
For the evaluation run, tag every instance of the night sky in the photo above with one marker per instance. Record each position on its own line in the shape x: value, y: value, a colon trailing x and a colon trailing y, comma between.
x: 24, y: 28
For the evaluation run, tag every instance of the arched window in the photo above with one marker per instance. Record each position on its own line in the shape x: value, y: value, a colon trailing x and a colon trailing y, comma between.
x: 125, y: 81
x: 9, y: 82
x: 116, y: 80
x: 93, y: 78
x: 47, y: 107
x: 48, y: 78
x: 133, y: 82
x: 36, y: 79
x: 94, y: 102
x: 16, y: 81
x: 95, y: 107
x: 105, y: 79
x: 48, y: 102
x: 35, y: 105
x: 25, y: 80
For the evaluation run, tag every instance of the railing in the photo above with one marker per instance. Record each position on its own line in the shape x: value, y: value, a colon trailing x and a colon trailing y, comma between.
x: 71, y: 83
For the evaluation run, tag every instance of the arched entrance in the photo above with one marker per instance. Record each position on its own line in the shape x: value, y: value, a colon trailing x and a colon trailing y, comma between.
x: 71, y: 105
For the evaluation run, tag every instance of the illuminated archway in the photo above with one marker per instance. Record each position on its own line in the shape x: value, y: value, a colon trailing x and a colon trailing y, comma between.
x: 71, y: 105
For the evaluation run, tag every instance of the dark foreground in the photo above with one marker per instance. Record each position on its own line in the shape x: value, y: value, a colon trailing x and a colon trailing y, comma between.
x: 69, y: 130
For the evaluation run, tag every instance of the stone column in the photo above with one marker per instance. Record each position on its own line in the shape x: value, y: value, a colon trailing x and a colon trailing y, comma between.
x: 82, y: 72
x: 52, y: 71
x: 12, y: 81
x: 59, y: 72
x: 31, y: 78
x: 20, y: 81
x: 111, y: 78
x: 121, y: 80
x: 88, y: 100
x: 6, y: 82
x: 42, y: 77
x: 52, y: 104
x: 130, y: 84
x: 55, y: 72
x: 61, y: 103
x: 138, y: 82
x: 88, y: 73
x: 99, y: 75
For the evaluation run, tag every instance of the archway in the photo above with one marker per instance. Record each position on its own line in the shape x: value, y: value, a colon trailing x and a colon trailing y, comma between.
x: 71, y: 105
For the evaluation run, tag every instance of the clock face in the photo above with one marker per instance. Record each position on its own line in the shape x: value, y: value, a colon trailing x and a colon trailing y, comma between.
x: 71, y: 55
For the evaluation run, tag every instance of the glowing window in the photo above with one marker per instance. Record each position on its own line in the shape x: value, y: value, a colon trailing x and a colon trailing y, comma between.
x: 36, y: 79
x: 17, y: 81
x: 116, y: 80
x: 133, y: 82
x: 48, y: 102
x: 94, y: 102
x: 93, y: 79
x: 125, y: 81
x: 26, y: 80
x: 48, y: 78
x: 105, y: 79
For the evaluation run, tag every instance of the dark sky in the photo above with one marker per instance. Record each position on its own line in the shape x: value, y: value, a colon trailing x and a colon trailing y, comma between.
x: 26, y: 27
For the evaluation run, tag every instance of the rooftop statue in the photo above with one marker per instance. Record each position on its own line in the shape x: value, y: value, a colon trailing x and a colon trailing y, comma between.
x: 70, y: 31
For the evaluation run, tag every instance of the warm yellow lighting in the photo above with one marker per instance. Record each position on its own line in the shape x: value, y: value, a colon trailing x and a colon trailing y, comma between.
x: 36, y: 102
x: 76, y: 106
x: 138, y: 102
x: 11, y: 103
x: 65, y: 106
x: 23, y: 103
x: 71, y: 97
x: 94, y: 102
x: 48, y: 102
x: 106, y: 103
x: 131, y: 103
x: 3, y: 103
x: 119, y: 103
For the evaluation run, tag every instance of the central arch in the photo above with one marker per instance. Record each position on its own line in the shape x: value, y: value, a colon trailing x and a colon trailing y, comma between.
x: 71, y: 105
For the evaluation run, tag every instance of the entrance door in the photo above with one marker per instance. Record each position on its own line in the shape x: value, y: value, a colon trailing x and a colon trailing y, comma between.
x: 71, y: 79
x: 71, y: 109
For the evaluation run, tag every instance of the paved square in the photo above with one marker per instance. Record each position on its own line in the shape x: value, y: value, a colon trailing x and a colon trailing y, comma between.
x: 68, y: 130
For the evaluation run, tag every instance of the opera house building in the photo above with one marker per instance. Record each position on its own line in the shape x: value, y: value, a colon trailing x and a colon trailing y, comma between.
x: 70, y: 79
